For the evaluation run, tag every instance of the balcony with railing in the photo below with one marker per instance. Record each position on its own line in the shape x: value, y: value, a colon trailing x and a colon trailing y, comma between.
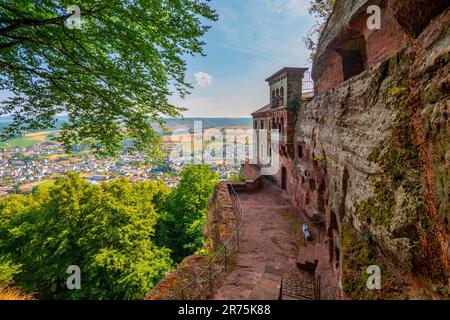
x: 307, y: 86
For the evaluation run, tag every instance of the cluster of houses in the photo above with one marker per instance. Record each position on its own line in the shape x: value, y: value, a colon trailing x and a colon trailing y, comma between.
x: 28, y: 166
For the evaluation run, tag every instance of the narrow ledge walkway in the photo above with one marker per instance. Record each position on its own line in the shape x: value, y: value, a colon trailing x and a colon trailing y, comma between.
x: 270, y: 241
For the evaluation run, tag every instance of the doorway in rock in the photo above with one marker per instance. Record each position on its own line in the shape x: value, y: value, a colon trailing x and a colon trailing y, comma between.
x: 283, y: 178
x: 354, y: 54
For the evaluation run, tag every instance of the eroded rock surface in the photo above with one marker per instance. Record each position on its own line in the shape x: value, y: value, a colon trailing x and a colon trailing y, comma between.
x: 380, y: 142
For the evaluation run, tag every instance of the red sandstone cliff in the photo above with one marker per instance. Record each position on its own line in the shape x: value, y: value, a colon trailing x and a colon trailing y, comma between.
x: 376, y: 156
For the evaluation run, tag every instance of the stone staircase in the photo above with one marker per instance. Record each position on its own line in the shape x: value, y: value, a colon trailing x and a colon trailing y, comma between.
x: 269, y: 285
x: 273, y: 286
x: 294, y: 289
x: 307, y: 258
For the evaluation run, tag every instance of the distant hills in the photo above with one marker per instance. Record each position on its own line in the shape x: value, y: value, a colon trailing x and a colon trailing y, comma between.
x: 170, y: 123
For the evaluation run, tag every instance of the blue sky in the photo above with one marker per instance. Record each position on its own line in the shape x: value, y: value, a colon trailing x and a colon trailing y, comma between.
x: 251, y: 40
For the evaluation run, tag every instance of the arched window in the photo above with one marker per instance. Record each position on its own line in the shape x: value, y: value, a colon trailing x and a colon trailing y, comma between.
x: 354, y: 54
x: 273, y: 100
x: 281, y: 125
x: 283, y: 178
x: 299, y: 151
x: 282, y: 95
x: 262, y: 124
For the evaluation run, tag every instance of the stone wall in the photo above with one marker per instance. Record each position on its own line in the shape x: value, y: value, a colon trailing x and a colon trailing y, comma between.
x: 370, y: 153
x: 251, y: 171
x: 376, y: 156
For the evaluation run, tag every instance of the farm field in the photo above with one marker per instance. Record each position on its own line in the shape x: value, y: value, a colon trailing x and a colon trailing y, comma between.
x: 44, y: 183
x: 18, y: 143
x: 29, y: 139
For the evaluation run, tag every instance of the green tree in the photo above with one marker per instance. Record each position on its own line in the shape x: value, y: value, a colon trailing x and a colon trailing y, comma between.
x: 180, y: 227
x: 106, y: 230
x: 122, y: 235
x: 8, y: 269
x: 111, y: 76
x: 13, y: 212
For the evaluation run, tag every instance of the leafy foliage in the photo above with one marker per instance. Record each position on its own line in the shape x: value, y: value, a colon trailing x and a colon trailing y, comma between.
x: 105, y: 230
x: 108, y: 230
x: 8, y: 269
x: 111, y: 76
x: 181, y: 227
x: 320, y: 9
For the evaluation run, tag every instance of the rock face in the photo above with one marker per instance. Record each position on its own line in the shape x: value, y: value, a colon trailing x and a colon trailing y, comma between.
x: 375, y: 161
x: 348, y: 45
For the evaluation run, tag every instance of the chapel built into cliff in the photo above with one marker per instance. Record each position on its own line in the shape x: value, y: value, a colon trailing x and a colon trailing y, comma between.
x: 362, y: 160
x: 285, y: 89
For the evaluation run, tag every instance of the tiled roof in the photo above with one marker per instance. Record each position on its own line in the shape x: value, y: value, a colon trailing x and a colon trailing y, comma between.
x: 263, y: 109
x: 287, y: 69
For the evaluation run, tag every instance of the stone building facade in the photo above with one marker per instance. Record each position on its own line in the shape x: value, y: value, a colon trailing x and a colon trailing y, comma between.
x: 286, y: 96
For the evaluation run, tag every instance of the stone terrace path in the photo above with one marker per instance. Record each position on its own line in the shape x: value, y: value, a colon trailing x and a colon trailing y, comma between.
x: 270, y: 239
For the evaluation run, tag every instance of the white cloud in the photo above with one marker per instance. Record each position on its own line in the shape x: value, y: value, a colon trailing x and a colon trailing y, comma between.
x: 295, y: 8
x: 203, y: 79
x: 299, y: 7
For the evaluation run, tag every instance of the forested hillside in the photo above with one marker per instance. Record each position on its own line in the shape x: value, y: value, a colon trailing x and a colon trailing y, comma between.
x: 124, y: 236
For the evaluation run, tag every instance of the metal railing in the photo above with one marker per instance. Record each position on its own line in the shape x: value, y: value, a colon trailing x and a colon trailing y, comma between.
x: 331, y: 292
x: 316, y: 288
x: 307, y: 85
x: 334, y: 292
x: 202, y: 284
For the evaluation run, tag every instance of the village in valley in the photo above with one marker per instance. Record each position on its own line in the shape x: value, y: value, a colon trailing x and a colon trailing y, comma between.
x: 35, y: 160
